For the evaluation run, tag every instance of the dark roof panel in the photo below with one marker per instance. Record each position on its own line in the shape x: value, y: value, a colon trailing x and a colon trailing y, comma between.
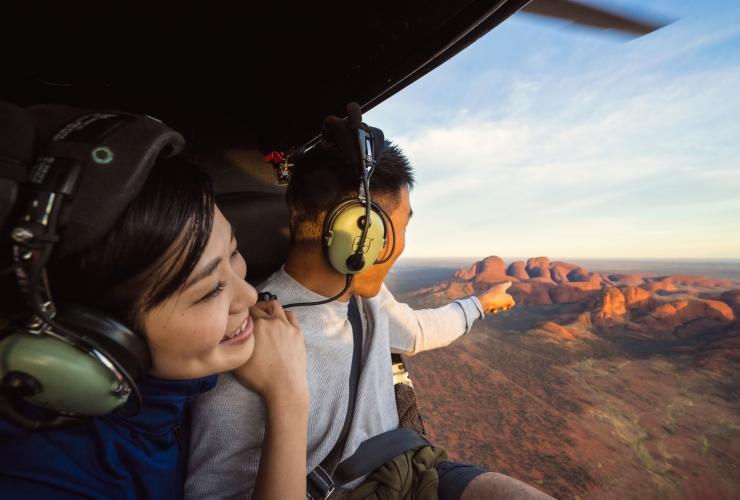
x: 267, y: 74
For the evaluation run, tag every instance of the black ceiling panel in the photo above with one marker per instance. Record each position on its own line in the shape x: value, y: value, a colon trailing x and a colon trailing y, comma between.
x: 266, y: 74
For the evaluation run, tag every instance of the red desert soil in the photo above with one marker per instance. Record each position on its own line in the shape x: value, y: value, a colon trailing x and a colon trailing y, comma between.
x: 626, y: 391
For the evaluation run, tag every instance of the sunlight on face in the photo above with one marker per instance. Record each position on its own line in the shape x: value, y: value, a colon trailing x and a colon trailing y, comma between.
x: 205, y: 327
x: 368, y: 283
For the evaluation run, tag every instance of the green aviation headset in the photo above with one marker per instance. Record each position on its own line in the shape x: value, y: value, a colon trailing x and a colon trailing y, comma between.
x: 85, y: 168
x: 350, y: 243
x: 347, y: 237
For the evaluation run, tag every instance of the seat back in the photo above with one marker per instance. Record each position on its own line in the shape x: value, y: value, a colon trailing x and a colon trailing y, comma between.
x: 260, y: 221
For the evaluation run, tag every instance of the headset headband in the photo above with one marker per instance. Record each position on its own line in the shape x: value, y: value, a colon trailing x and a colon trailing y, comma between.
x: 342, y: 134
x: 87, y: 167
x: 113, y: 151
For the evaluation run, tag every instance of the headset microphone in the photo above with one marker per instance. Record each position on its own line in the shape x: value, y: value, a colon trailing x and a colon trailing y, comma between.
x: 356, y: 261
x: 355, y: 230
x: 364, y: 138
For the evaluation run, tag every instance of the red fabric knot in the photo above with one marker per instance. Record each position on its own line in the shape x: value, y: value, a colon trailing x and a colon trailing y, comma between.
x: 274, y: 157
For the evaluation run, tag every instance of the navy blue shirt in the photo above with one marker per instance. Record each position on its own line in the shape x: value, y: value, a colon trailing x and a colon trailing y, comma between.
x: 113, y: 456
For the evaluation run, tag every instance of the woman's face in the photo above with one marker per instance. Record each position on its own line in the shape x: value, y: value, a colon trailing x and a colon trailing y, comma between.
x: 205, y: 327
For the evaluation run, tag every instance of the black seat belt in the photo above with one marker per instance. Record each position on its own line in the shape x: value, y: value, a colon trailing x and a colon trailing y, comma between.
x: 319, y: 481
x: 376, y: 451
x: 373, y: 452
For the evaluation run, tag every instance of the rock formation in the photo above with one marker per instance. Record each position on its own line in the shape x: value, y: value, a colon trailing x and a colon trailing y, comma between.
x: 531, y: 293
x: 671, y: 315
x: 637, y: 298
x: 566, y: 293
x: 610, y: 308
x: 664, y: 284
x: 579, y: 274
x: 558, y: 273
x: 732, y: 299
x: 635, y: 302
x: 490, y: 270
x: 607, y: 375
x: 538, y: 267
x: 700, y: 281
x: 627, y: 279
x: 553, y: 331
x: 518, y: 269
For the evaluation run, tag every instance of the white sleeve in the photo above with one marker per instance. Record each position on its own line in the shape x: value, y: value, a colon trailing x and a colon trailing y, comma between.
x: 412, y: 331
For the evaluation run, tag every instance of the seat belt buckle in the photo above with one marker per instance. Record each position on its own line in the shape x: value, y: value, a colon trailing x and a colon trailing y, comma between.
x: 319, y: 484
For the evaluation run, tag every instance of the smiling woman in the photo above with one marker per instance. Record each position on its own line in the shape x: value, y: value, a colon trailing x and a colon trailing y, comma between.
x: 181, y: 283
x: 207, y: 326
x: 170, y: 270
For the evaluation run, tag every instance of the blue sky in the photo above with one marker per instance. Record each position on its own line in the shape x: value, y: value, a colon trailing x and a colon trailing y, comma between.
x: 541, y: 139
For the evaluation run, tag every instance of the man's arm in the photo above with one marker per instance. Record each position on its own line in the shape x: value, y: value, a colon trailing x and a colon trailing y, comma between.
x: 412, y: 331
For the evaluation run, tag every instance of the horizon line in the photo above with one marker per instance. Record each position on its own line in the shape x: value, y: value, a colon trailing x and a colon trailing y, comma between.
x: 478, y: 257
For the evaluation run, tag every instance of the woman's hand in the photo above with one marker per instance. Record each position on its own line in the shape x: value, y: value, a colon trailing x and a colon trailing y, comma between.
x: 277, y: 368
x: 496, y: 299
x: 277, y: 371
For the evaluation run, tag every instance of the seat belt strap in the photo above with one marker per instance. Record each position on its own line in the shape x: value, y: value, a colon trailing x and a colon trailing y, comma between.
x: 370, y: 455
x: 319, y: 481
x: 376, y: 451
x: 319, y: 484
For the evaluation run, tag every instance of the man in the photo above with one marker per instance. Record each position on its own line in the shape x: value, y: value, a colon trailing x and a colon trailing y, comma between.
x: 228, y: 422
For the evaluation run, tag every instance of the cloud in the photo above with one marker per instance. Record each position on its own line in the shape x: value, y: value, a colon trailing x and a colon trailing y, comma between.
x: 570, y: 153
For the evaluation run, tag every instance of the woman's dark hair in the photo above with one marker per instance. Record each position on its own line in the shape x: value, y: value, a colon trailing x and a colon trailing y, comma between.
x: 151, y: 250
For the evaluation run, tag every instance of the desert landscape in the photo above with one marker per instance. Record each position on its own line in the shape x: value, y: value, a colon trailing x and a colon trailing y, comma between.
x: 597, y: 385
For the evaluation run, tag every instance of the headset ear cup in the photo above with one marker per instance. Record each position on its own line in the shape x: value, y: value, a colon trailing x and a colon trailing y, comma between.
x: 78, y: 376
x: 116, y: 340
x: 85, y: 375
x: 342, y: 233
x: 64, y: 377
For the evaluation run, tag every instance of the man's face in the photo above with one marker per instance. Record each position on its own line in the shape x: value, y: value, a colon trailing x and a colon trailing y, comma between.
x: 367, y: 284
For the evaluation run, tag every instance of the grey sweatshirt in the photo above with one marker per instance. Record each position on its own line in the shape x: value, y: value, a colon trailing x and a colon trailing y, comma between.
x: 228, y: 422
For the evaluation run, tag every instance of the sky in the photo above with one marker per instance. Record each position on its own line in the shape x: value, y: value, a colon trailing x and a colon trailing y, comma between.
x: 545, y: 139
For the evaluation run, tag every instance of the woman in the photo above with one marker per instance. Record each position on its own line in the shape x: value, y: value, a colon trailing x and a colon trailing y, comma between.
x: 170, y: 269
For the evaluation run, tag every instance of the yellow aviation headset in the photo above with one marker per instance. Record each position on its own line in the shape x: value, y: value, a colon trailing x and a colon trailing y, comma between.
x: 351, y: 244
x: 67, y: 175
